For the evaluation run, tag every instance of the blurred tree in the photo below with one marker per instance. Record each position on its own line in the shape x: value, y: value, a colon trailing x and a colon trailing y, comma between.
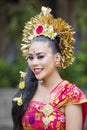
x: 4, y: 32
x: 75, y: 12
x: 82, y: 19
x: 65, y: 9
x: 14, y: 14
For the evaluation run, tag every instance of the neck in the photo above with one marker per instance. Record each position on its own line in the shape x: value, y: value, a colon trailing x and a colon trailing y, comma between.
x: 52, y: 80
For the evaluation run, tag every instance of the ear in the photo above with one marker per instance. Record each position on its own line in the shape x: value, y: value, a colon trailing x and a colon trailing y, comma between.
x: 57, y: 59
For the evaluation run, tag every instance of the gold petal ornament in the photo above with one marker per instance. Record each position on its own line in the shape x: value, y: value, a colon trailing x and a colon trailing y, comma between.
x: 45, y: 24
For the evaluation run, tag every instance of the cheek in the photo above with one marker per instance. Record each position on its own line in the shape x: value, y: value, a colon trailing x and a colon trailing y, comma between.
x: 29, y: 63
x: 47, y: 61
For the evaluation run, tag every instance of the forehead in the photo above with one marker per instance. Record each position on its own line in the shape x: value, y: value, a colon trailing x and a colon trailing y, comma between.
x: 38, y: 46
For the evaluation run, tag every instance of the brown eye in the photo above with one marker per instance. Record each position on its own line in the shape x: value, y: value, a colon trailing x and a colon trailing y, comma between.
x: 30, y: 57
x: 40, y: 56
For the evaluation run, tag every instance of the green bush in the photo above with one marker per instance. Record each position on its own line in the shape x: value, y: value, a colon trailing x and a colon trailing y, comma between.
x: 77, y: 72
x: 9, y: 74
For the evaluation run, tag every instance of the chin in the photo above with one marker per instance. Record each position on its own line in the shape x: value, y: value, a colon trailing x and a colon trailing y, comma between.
x: 39, y: 78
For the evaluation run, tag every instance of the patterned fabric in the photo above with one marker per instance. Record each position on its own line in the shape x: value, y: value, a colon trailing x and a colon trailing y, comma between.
x: 41, y: 116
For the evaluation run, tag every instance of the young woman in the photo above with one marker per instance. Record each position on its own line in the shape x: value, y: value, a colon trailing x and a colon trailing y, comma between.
x: 44, y: 100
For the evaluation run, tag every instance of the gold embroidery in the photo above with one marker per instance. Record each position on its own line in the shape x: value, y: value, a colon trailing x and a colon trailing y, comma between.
x: 52, y: 117
x: 47, y: 110
x: 46, y: 120
x: 37, y: 116
x: 58, y: 124
x: 31, y: 111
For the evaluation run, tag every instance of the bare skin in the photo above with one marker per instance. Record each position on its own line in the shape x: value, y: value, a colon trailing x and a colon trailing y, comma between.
x: 42, y: 62
x: 45, y: 69
x: 73, y: 115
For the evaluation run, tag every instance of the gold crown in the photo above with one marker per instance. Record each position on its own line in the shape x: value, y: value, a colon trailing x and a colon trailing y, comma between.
x: 45, y: 24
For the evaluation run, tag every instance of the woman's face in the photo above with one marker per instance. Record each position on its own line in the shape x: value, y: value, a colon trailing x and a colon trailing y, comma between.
x: 41, y: 60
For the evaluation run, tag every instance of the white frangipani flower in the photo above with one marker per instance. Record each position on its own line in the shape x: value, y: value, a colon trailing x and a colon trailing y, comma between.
x: 45, y: 10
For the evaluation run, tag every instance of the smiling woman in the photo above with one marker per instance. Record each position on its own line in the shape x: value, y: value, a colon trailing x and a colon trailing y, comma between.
x: 45, y: 101
x: 42, y: 55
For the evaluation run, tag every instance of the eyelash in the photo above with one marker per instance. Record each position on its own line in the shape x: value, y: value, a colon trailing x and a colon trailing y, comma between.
x: 38, y: 57
x: 30, y: 57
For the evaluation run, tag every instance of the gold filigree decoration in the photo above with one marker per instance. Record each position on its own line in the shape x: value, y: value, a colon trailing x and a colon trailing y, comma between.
x: 47, y: 110
x: 45, y: 24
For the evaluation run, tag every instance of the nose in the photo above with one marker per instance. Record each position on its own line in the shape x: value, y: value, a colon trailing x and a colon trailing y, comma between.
x: 35, y: 62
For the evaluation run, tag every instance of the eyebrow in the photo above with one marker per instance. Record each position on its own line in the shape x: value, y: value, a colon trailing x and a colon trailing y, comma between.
x: 37, y: 53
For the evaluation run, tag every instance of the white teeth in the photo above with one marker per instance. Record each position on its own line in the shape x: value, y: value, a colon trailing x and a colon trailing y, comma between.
x: 36, y: 70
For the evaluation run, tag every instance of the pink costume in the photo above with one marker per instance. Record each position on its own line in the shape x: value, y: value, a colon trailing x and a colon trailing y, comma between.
x: 41, y: 116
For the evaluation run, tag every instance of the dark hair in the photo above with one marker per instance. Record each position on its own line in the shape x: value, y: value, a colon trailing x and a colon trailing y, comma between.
x: 27, y: 94
x: 53, y: 43
x: 31, y: 84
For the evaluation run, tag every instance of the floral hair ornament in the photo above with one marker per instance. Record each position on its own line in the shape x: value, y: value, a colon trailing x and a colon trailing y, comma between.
x: 22, y: 85
x: 18, y: 100
x: 22, y: 82
x: 45, y: 24
x: 23, y: 74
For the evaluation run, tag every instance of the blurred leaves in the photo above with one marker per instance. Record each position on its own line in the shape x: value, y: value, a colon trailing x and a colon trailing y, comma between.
x: 77, y: 72
x: 17, y: 13
x: 82, y: 16
x: 21, y: 12
x: 9, y: 73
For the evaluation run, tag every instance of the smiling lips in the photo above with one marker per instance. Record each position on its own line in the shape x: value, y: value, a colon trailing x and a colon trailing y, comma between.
x: 37, y: 71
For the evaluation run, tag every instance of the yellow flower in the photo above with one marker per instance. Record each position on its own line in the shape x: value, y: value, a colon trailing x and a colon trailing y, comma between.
x: 18, y: 100
x: 23, y: 74
x: 22, y: 84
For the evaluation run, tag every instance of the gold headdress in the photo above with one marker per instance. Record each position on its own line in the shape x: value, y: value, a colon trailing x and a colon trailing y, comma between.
x: 45, y: 24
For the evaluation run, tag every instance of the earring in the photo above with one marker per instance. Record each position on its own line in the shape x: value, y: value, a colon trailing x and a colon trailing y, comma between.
x: 57, y: 64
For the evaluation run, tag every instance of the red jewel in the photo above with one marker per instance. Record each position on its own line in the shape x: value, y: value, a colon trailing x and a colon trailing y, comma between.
x: 39, y: 29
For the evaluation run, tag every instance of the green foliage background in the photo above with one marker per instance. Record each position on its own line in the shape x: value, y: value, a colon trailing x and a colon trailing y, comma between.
x: 9, y: 73
x: 77, y: 72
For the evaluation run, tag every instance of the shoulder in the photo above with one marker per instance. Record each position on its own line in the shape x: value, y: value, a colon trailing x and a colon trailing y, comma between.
x: 73, y: 94
x: 71, y: 87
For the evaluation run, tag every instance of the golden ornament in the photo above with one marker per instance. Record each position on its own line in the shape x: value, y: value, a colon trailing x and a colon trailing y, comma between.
x: 45, y: 24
